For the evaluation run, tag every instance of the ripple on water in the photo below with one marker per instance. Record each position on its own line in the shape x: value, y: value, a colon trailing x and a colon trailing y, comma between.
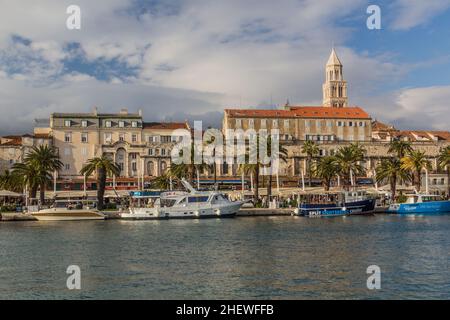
x: 260, y: 258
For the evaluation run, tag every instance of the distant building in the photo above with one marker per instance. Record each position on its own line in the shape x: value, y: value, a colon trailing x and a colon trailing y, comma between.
x: 332, y: 122
x: 321, y: 124
x: 139, y: 148
x: 335, y: 87
x: 387, y: 133
x: 13, y: 148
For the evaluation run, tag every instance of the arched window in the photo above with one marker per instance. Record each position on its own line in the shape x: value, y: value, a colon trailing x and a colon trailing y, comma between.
x: 150, y: 168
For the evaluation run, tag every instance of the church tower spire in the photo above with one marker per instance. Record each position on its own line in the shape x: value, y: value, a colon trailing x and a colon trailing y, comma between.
x: 335, y: 87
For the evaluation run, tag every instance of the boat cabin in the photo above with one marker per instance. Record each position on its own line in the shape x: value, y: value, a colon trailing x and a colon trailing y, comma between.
x: 421, y: 198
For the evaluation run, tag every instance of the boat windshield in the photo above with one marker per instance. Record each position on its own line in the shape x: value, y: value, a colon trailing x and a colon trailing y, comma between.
x: 194, y: 199
x: 329, y: 198
x: 73, y: 204
x: 431, y: 198
x: 167, y: 202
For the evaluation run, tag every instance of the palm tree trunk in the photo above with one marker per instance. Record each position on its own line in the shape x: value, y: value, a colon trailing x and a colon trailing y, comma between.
x: 257, y: 183
x: 42, y: 193
x: 33, y: 192
x: 101, y: 181
x: 269, y: 186
x: 326, y: 184
x: 309, y: 172
x: 448, y: 181
x: 418, y: 180
x: 393, y: 187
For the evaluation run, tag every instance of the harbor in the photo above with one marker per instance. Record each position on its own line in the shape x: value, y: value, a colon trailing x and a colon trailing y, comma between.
x: 243, y: 258
x: 221, y: 153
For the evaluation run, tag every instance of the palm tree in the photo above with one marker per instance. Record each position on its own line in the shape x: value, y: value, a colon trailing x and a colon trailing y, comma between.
x: 162, y: 182
x: 280, y: 154
x: 416, y: 161
x: 189, y: 170
x: 46, y: 161
x: 326, y: 169
x: 213, y: 166
x: 347, y: 159
x: 444, y: 161
x: 102, y: 166
x: 400, y: 148
x: 392, y: 171
x: 311, y: 150
x: 9, y: 181
x: 252, y: 169
x: 27, y: 176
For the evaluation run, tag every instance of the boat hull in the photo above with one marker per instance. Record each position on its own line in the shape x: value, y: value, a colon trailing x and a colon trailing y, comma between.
x: 68, y: 215
x: 209, y: 212
x: 334, y: 210
x: 423, y: 208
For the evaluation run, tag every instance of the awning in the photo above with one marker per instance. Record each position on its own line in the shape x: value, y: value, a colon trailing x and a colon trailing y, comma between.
x: 6, y: 193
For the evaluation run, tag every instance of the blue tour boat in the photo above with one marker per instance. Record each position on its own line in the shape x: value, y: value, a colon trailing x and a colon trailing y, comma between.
x: 421, y: 204
x: 336, y: 204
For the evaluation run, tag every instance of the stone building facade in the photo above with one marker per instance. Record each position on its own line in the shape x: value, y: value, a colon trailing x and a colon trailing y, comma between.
x: 14, y: 148
x: 140, y: 149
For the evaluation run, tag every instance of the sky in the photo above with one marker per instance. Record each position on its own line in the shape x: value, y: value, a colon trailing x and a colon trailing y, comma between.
x: 183, y: 60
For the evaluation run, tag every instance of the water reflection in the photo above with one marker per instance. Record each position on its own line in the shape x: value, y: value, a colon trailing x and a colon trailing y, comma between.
x: 279, y: 258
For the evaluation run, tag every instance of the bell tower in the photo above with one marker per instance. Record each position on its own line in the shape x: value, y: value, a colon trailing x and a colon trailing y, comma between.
x: 335, y: 87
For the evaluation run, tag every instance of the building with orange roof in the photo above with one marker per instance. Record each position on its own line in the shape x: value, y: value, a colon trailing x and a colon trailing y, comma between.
x: 141, y: 149
x: 13, y: 148
x: 334, y: 121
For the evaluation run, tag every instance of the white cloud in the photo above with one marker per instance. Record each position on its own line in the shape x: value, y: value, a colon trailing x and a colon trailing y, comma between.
x: 200, y: 58
x: 412, y: 13
x: 414, y: 108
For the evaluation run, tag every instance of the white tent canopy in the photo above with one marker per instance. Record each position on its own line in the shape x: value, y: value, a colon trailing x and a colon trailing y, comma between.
x: 6, y: 193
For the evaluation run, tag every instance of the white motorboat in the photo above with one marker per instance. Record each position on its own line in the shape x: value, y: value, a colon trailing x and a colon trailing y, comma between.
x: 183, y: 205
x: 66, y: 210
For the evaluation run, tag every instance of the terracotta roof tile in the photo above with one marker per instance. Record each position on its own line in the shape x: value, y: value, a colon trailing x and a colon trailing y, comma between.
x: 380, y: 126
x: 42, y: 135
x: 165, y: 125
x: 418, y: 135
x: 301, y: 112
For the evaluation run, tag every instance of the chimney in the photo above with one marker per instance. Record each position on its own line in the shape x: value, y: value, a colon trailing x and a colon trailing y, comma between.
x: 140, y: 112
x: 95, y: 111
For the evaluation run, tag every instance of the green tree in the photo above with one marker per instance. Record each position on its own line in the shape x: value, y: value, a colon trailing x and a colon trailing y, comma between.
x: 311, y: 150
x: 400, y: 148
x: 326, y: 169
x: 46, y: 161
x: 162, y: 182
x: 416, y: 161
x: 281, y: 154
x: 102, y: 167
x: 391, y: 170
x: 252, y: 169
x: 347, y: 159
x: 11, y: 182
x: 190, y: 170
x: 27, y: 176
x: 444, y: 161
